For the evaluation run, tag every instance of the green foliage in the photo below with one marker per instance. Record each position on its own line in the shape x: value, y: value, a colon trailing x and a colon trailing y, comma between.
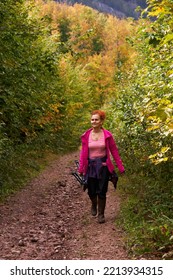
x: 141, y: 119
x: 24, y: 66
x: 26, y: 69
x: 147, y: 216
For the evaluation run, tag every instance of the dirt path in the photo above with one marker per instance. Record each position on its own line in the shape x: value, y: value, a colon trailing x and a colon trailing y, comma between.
x: 50, y: 219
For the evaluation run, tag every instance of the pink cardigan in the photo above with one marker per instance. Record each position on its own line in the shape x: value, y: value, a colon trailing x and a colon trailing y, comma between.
x: 111, y: 148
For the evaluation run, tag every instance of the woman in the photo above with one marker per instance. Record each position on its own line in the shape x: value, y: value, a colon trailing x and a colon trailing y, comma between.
x: 95, y: 162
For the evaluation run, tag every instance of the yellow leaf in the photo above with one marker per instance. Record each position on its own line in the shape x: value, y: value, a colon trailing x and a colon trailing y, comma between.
x: 164, y: 149
x: 157, y: 11
x: 151, y: 128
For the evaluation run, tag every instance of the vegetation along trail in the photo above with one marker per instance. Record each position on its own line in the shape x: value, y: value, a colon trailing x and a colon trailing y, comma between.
x: 50, y: 219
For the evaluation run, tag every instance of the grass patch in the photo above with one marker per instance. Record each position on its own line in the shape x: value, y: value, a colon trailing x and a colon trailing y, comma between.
x: 147, y: 217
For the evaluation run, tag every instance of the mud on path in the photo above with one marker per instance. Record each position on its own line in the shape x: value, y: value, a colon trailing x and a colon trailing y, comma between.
x: 50, y: 219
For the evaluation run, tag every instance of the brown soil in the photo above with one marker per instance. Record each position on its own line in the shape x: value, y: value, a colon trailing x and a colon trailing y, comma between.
x: 50, y: 219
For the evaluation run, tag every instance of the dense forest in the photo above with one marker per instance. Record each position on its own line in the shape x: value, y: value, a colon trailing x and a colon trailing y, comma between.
x: 57, y: 64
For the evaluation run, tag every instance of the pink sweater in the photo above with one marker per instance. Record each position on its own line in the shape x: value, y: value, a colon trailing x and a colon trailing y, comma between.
x: 111, y: 149
x: 97, y: 148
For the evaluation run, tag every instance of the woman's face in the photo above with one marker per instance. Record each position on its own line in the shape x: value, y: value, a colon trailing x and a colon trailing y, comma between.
x: 96, y: 122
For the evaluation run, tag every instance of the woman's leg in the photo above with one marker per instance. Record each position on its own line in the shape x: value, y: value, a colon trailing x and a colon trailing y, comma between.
x: 97, y: 188
x: 92, y: 187
x: 101, y: 191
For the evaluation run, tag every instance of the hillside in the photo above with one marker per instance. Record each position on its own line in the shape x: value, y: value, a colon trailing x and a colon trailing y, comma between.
x: 119, y: 8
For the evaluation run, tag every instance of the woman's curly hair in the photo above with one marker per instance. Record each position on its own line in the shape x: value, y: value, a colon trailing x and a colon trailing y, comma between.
x: 100, y: 113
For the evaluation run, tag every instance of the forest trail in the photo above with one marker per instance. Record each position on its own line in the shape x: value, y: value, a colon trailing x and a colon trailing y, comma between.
x: 50, y: 219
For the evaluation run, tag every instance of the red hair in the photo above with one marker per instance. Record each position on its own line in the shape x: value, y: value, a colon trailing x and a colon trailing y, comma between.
x: 100, y: 113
